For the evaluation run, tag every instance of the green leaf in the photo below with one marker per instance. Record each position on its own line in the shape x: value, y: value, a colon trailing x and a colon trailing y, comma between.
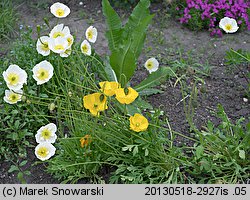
x: 137, y: 106
x: 23, y: 163
x: 114, y: 25
x: 126, y: 43
x: 109, y: 71
x: 123, y: 61
x: 242, y: 154
x: 21, y: 178
x: 137, y: 25
x: 13, y: 168
x: 205, y: 164
x: 135, y: 150
x: 150, y: 91
x: 199, y: 152
x: 154, y: 79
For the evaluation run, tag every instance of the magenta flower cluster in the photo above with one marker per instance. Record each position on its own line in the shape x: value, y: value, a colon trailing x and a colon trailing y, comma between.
x: 212, y: 10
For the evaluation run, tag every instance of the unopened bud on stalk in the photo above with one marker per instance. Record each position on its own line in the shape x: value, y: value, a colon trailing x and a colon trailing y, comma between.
x: 28, y: 102
x: 51, y: 107
x: 24, y: 98
x: 46, y: 21
x: 70, y: 94
x: 38, y: 29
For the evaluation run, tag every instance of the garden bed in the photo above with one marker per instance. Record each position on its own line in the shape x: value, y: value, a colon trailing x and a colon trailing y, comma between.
x: 168, y: 41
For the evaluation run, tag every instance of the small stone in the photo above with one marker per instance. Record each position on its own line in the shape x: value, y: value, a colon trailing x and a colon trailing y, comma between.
x: 81, y: 3
x: 245, y: 100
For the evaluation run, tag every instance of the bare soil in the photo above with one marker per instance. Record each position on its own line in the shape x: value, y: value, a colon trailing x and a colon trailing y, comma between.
x: 165, y: 40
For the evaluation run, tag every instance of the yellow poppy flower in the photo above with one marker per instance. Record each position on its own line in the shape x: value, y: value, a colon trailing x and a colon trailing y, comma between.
x: 138, y: 123
x: 126, y: 95
x: 85, y: 140
x: 108, y: 88
x: 95, y: 103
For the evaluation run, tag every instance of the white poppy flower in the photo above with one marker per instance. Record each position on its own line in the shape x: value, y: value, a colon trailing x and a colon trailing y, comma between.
x: 151, y: 65
x: 58, y: 45
x: 12, y: 97
x: 15, y: 77
x: 43, y: 72
x: 59, y: 10
x: 45, y: 151
x: 229, y: 25
x: 91, y: 34
x: 46, y: 133
x: 59, y: 31
x: 86, y: 48
x: 42, y: 46
x: 66, y: 53
x: 70, y: 40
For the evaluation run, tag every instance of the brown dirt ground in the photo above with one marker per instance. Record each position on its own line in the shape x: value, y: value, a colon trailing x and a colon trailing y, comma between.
x: 165, y: 40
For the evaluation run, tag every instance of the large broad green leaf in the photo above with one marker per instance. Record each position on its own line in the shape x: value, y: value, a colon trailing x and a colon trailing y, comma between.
x: 123, y: 62
x: 114, y: 25
x: 154, y: 78
x: 126, y: 43
x: 137, y: 25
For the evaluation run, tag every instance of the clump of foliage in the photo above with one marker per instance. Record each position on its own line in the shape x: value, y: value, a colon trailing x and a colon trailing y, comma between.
x: 223, y: 152
x: 204, y: 14
x: 86, y: 142
x: 8, y: 19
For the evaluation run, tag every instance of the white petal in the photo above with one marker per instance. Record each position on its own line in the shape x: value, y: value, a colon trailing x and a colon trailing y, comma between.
x: 86, y: 43
x: 51, y: 150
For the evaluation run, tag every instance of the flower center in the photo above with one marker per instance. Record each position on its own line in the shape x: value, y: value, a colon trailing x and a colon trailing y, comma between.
x: 69, y: 41
x: 13, y: 98
x: 150, y: 65
x: 46, y: 134
x: 228, y: 27
x: 43, y: 152
x: 60, y: 12
x: 90, y: 34
x: 59, y: 47
x: 58, y: 34
x: 85, y: 48
x: 137, y: 124
x: 13, y: 79
x: 42, y: 74
x: 45, y: 46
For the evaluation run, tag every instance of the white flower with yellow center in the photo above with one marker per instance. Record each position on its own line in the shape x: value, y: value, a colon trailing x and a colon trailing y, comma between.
x: 91, y: 34
x: 70, y: 40
x: 43, y: 72
x: 12, y: 97
x: 59, y: 31
x: 66, y: 53
x: 86, y: 48
x: 15, y: 77
x: 229, y: 25
x: 58, y: 45
x: 151, y: 65
x: 45, y: 151
x: 59, y: 10
x: 42, y: 46
x: 46, y: 133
